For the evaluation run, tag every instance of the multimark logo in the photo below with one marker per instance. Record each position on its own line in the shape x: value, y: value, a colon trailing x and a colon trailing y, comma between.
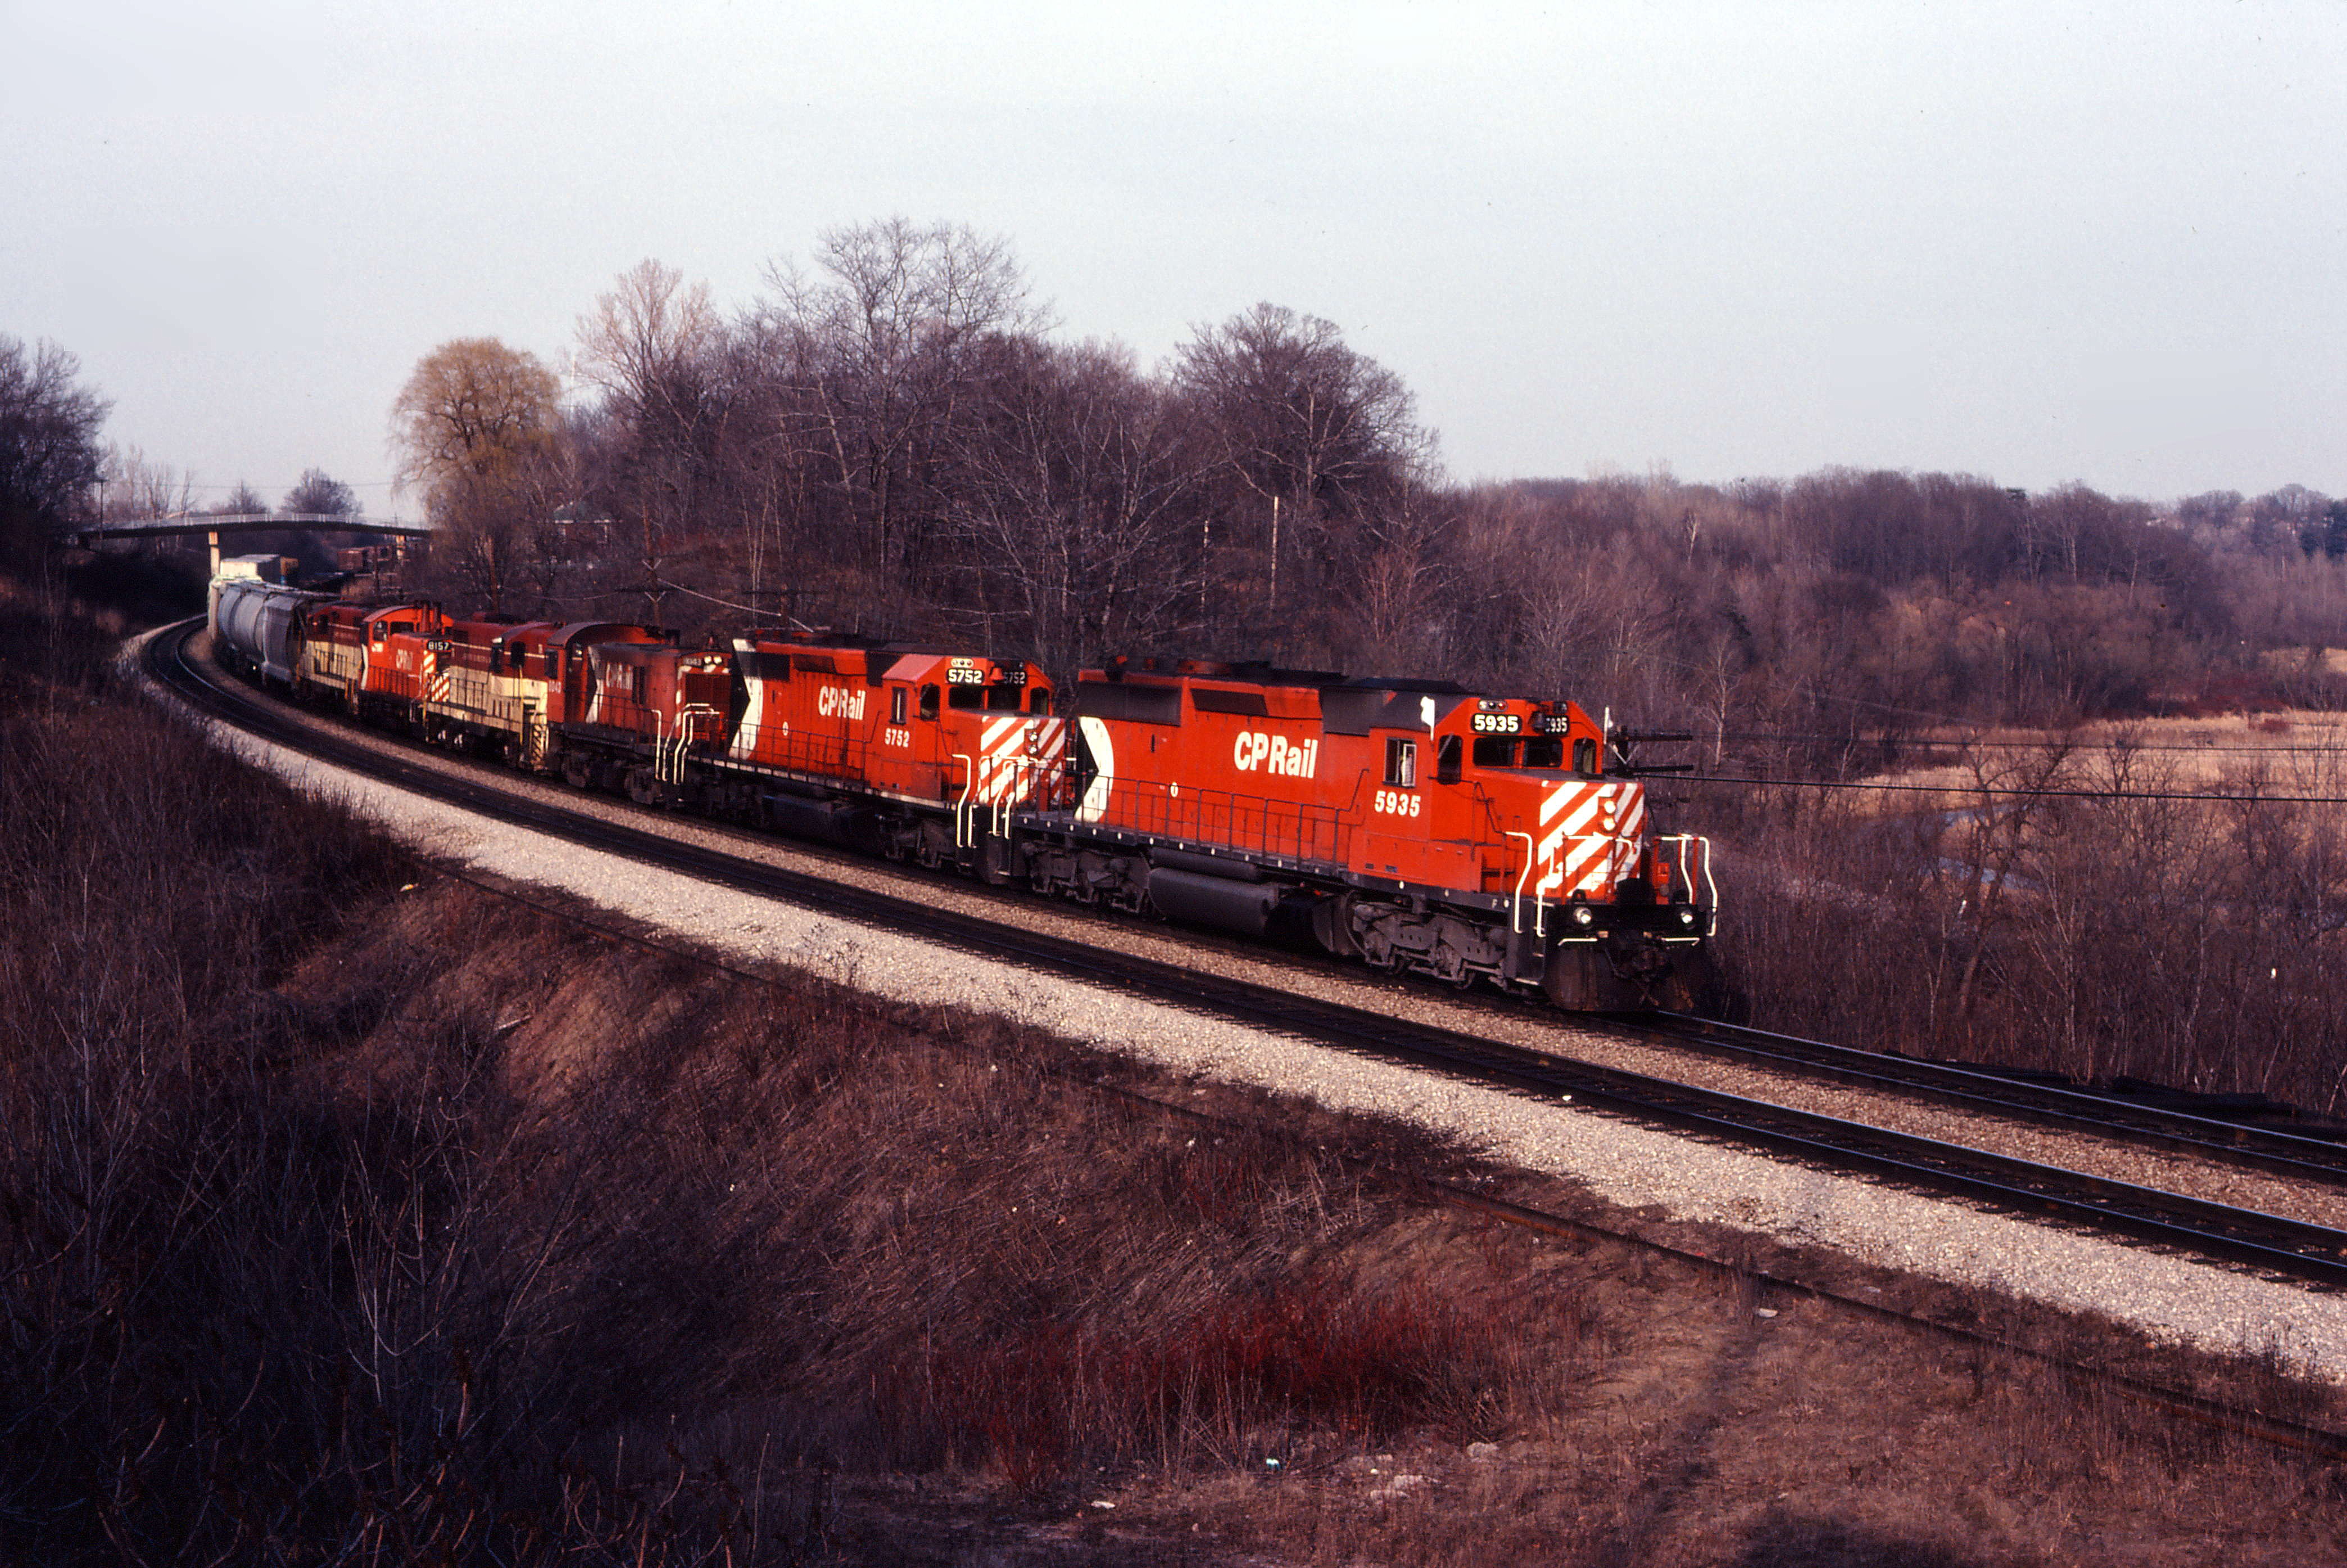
x: 1274, y: 755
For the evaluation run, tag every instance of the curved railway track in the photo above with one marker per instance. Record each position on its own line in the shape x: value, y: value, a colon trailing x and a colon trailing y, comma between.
x: 2270, y: 1245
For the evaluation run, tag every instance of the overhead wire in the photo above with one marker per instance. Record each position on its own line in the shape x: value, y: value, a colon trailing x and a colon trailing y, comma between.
x: 2001, y: 790
x: 1935, y: 743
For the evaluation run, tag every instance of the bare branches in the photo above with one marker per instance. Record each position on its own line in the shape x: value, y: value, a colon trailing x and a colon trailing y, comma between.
x: 648, y: 338
x: 476, y: 428
x: 49, y: 453
x: 1069, y: 482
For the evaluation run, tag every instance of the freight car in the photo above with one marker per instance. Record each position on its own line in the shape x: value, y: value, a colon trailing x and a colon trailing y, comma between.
x: 1412, y: 825
x: 253, y: 611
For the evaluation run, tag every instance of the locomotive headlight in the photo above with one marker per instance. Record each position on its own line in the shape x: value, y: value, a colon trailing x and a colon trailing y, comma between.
x: 1687, y: 916
x: 1582, y: 915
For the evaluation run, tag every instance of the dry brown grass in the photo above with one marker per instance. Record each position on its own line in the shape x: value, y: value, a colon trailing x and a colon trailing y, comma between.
x: 2279, y: 752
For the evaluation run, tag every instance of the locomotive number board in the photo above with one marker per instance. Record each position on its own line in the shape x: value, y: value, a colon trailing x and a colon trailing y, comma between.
x: 969, y: 672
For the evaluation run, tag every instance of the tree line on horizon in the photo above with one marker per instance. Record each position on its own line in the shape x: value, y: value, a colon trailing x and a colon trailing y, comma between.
x: 894, y: 439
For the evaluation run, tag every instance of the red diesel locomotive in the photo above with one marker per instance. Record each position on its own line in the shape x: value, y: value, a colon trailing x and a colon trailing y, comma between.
x: 1411, y: 824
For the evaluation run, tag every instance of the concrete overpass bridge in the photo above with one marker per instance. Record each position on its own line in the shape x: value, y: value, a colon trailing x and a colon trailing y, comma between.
x: 233, y: 523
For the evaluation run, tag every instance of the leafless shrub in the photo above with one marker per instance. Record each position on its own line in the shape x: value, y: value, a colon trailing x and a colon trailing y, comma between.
x: 2070, y: 912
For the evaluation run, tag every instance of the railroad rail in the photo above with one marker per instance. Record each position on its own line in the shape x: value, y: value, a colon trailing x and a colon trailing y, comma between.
x: 2315, y: 1154
x: 2274, y: 1246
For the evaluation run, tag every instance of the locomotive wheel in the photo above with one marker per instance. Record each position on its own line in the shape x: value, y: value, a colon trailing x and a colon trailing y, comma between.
x: 1332, y: 925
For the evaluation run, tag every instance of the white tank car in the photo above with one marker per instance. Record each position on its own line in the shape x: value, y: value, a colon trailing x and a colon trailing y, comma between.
x: 252, y: 616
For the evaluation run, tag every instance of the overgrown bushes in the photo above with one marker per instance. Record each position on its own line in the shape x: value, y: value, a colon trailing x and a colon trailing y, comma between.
x: 2063, y: 910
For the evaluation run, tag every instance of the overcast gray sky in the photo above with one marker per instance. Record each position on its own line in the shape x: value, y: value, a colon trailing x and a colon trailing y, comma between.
x: 2040, y: 242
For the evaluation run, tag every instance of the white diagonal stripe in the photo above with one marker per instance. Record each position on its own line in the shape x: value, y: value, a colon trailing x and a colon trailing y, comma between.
x: 1581, y: 852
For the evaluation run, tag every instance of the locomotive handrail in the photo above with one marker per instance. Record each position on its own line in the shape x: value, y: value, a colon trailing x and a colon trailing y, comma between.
x: 961, y: 806
x: 1516, y: 909
x: 668, y: 751
x: 1686, y: 842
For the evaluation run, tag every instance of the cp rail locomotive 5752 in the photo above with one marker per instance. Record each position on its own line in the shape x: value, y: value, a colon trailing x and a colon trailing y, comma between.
x: 1412, y: 825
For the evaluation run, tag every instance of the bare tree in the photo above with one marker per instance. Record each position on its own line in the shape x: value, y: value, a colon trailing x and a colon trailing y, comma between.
x: 650, y: 345
x: 131, y: 487
x: 244, y: 501
x: 876, y: 351
x: 1069, y: 482
x: 319, y: 495
x: 1318, y: 436
x: 49, y: 455
x: 647, y: 336
x: 1404, y: 583
x: 475, y: 426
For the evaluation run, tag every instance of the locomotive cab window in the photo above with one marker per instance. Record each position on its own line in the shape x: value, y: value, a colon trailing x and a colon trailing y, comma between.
x: 1544, y: 750
x: 1446, y: 759
x: 897, y: 705
x: 929, y: 702
x: 1585, y: 755
x: 1495, y: 750
x: 1039, y: 699
x: 1402, y: 763
x: 1000, y: 698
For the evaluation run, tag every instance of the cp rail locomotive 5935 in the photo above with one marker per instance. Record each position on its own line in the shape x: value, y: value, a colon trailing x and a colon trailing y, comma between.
x: 1412, y: 825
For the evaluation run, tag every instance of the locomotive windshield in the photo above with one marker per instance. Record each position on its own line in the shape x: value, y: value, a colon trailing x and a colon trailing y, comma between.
x: 1545, y: 752
x: 1001, y: 697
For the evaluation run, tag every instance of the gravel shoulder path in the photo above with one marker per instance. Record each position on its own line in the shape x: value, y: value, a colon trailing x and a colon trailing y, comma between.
x: 2170, y: 1298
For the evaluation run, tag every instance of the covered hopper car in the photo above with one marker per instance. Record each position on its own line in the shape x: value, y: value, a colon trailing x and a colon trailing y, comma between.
x: 254, y: 616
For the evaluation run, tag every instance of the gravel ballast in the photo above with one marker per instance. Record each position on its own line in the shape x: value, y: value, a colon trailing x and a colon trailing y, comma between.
x: 2171, y: 1298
